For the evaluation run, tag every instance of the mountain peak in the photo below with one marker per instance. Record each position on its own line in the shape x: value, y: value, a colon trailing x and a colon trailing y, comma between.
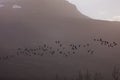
x: 60, y: 8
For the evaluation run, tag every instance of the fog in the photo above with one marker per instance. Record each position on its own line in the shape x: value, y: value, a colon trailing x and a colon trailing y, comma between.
x: 43, y: 22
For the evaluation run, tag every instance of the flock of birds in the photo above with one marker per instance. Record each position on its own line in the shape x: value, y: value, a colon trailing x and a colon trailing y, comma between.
x: 58, y: 49
x: 106, y: 43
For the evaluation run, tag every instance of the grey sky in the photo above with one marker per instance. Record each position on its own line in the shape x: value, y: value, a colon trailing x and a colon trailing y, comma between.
x: 99, y: 9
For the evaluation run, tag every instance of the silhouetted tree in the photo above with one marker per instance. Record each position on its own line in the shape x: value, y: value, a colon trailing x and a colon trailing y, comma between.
x: 87, y: 75
x: 97, y: 76
x: 80, y: 76
x: 65, y: 78
x: 56, y: 77
x: 116, y: 73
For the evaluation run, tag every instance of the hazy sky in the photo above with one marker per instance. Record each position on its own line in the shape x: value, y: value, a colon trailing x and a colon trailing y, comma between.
x: 99, y: 9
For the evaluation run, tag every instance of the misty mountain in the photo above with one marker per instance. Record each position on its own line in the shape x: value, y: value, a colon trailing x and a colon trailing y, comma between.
x: 45, y: 21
